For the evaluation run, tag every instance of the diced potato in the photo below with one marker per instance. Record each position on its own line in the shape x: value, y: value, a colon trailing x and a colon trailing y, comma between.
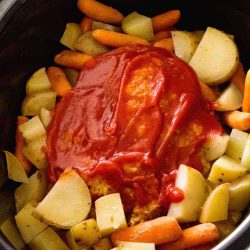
x: 10, y: 231
x: 34, y: 152
x: 226, y: 169
x: 225, y: 228
x: 7, y: 205
x: 126, y: 245
x: 28, y: 225
x: 236, y: 144
x: 216, y: 58
x: 45, y: 117
x: 33, y: 103
x: 215, y: 146
x: 35, y: 189
x: 138, y: 25
x: 100, y: 25
x: 194, y: 187
x: 3, y: 172
x: 88, y: 45
x: 15, y: 169
x: 103, y: 244
x: 110, y: 215
x: 185, y: 44
x: 67, y: 203
x: 72, y: 75
x: 216, y: 205
x: 198, y: 34
x: 71, y: 34
x: 245, y: 160
x: 48, y: 240
x: 38, y: 81
x: 230, y: 99
x: 239, y: 194
x: 32, y: 129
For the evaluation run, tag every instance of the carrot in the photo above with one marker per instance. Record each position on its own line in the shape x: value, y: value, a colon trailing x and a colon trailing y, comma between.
x: 115, y: 39
x: 71, y: 59
x: 166, y: 20
x: 86, y: 24
x: 237, y: 119
x: 59, y: 81
x: 99, y: 11
x: 162, y: 34
x: 239, y: 77
x: 194, y: 236
x: 20, y: 142
x: 161, y: 230
x: 246, y: 97
x: 207, y: 92
x: 166, y: 43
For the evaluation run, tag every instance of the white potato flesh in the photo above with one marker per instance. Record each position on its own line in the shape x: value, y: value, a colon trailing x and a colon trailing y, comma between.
x: 32, y: 129
x: 110, y: 215
x: 185, y: 44
x: 194, y: 187
x: 226, y: 169
x: 236, y: 144
x: 67, y: 203
x: 45, y: 117
x: 126, y: 245
x: 100, y: 25
x: 15, y: 169
x: 216, y: 58
x: 216, y: 205
x: 38, y: 81
x: 103, y: 244
x: 245, y: 160
x: 230, y: 99
x: 215, y: 146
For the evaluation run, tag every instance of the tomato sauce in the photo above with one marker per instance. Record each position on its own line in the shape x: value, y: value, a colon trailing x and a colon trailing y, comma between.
x: 134, y: 116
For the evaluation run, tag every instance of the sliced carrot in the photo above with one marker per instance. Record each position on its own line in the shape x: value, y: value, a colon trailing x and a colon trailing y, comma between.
x: 166, y: 20
x: 99, y: 11
x: 71, y: 59
x: 116, y: 39
x: 194, y: 236
x: 239, y: 77
x: 161, y: 230
x: 207, y: 92
x: 237, y: 119
x: 246, y: 98
x: 162, y: 34
x: 86, y: 24
x: 20, y: 142
x: 166, y: 43
x: 58, y: 80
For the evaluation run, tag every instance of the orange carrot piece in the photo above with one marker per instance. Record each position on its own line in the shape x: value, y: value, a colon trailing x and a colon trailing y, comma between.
x: 99, y: 11
x: 162, y: 34
x: 166, y: 20
x: 59, y: 81
x: 166, y: 43
x: 86, y: 24
x: 71, y: 59
x: 161, y: 230
x: 116, y: 39
x: 246, y: 97
x: 236, y: 119
x: 194, y: 236
x: 20, y: 142
x: 207, y: 92
x: 239, y: 77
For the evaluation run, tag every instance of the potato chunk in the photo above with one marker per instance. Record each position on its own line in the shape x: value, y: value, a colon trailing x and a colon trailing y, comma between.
x: 103, y: 244
x: 126, y: 245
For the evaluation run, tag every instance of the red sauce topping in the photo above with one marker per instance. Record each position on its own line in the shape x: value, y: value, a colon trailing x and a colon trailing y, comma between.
x: 135, y: 115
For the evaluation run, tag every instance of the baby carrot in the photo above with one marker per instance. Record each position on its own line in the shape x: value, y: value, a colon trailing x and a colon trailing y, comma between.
x: 59, y: 81
x: 239, y: 77
x: 116, y: 39
x: 166, y: 43
x: 20, y: 142
x: 246, y: 97
x: 194, y: 236
x: 99, y: 11
x: 165, y: 20
x: 207, y: 92
x: 71, y: 59
x: 161, y: 230
x: 86, y: 24
x: 236, y: 119
x: 162, y: 34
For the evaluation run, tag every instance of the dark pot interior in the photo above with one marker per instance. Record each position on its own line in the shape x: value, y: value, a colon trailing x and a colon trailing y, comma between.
x: 29, y: 35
